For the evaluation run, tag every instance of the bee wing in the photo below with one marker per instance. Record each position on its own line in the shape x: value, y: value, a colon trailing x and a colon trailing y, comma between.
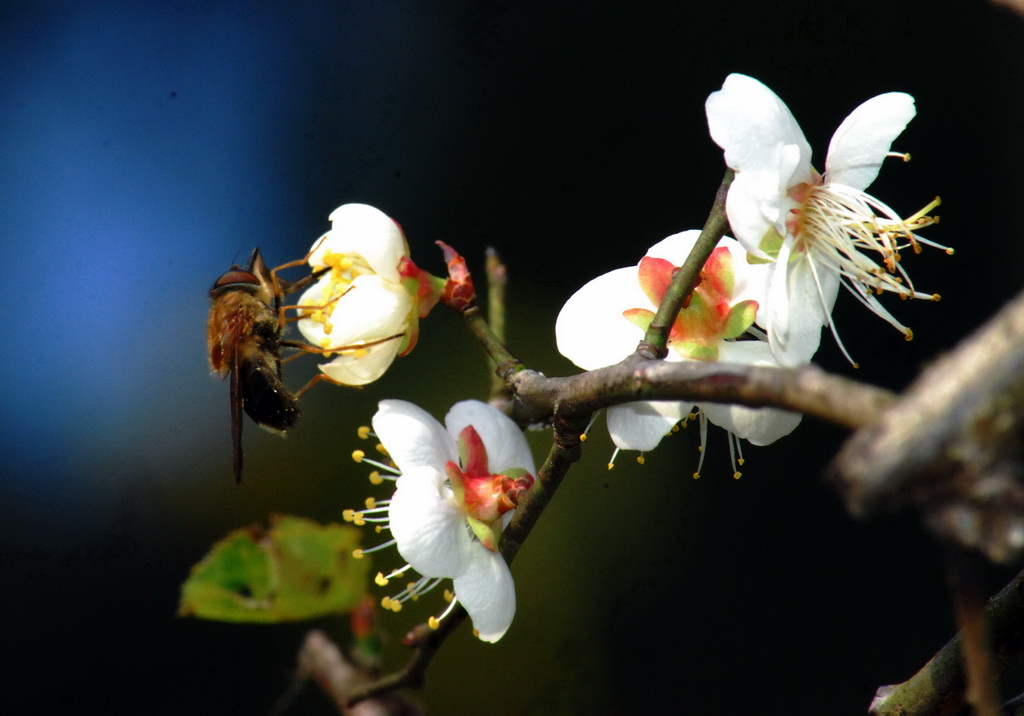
x: 236, y: 418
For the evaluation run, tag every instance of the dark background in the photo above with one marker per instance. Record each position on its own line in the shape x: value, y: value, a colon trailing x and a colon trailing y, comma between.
x: 146, y: 147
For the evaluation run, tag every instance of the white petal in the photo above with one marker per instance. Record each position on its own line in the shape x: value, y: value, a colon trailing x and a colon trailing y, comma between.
x: 364, y: 367
x: 430, y: 531
x: 371, y: 309
x: 413, y: 437
x: 676, y: 248
x: 590, y: 329
x: 642, y: 425
x: 760, y: 426
x: 754, y: 206
x: 751, y: 124
x: 488, y: 593
x: 862, y: 141
x: 797, y: 309
x: 367, y: 231
x: 506, y: 446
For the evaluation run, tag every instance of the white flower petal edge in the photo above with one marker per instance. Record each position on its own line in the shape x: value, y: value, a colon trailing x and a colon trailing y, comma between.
x: 413, y: 437
x: 429, y: 529
x: 505, y: 443
x: 642, y: 425
x: 488, y: 593
x: 864, y: 139
x: 745, y: 117
x: 365, y: 230
x: 587, y: 331
x: 760, y: 426
x: 799, y: 293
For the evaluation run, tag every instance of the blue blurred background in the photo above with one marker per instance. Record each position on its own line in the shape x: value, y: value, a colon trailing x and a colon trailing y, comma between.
x: 148, y: 146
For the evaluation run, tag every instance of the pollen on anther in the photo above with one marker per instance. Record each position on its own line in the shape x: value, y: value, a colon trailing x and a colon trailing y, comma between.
x: 381, y: 581
x: 370, y: 503
x: 611, y: 465
x: 381, y: 449
x: 378, y: 529
x: 909, y: 335
x: 325, y: 343
x: 737, y: 475
x: 696, y: 476
x: 640, y: 459
x: 375, y: 478
x: 357, y: 554
x: 363, y: 432
x: 449, y: 595
x: 358, y: 455
x: 348, y: 515
x: 583, y: 437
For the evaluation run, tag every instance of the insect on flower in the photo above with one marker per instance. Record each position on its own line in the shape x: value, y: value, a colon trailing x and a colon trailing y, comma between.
x: 244, y: 337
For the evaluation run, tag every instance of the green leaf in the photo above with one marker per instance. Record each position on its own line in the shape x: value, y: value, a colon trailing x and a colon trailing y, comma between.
x: 297, y: 569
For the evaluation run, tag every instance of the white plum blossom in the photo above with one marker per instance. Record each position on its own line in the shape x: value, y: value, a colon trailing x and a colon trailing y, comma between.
x: 365, y: 309
x: 815, y: 229
x: 603, y: 322
x: 457, y: 488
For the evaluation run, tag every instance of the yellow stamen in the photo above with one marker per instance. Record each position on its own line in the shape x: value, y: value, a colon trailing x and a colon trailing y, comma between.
x: 434, y: 623
x: 375, y: 478
x: 357, y: 554
x: 358, y: 455
x: 370, y: 503
x: 363, y: 432
x: 381, y: 581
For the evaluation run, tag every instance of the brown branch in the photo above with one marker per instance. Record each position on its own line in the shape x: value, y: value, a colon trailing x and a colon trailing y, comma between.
x: 687, y: 276
x: 938, y: 688
x: 952, y: 445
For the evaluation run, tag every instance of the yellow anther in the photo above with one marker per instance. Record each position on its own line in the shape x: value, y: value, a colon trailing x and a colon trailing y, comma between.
x: 375, y: 478
x: 325, y: 343
x: 328, y: 327
x: 640, y: 459
x: 433, y: 623
x: 675, y: 428
x: 357, y: 519
x: 476, y: 633
x: 386, y: 603
x: 360, y: 353
x: 378, y: 529
x: 358, y: 455
x: 935, y: 297
x: 737, y: 475
x: 611, y: 465
x: 381, y: 581
x: 381, y: 449
x: 348, y: 515
x: 363, y: 432
x: 693, y: 416
x: 370, y: 503
x: 357, y: 554
x: 909, y: 335
x: 449, y: 595
x: 700, y: 448
x: 583, y: 438
x: 396, y: 606
x: 740, y: 462
x: 696, y: 476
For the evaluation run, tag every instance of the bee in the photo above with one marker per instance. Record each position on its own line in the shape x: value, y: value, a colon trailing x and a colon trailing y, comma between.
x: 244, y: 335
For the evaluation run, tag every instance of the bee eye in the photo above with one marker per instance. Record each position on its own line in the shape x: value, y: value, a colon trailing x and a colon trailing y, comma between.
x: 235, y: 277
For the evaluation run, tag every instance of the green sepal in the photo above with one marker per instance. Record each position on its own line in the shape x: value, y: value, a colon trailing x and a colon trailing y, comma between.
x: 741, y: 317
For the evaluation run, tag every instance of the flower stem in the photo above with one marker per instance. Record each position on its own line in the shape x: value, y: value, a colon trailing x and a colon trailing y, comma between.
x: 686, y: 278
x: 497, y: 281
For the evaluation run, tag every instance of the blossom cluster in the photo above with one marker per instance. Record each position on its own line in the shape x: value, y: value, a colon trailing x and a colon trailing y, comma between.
x: 762, y: 299
x: 764, y: 296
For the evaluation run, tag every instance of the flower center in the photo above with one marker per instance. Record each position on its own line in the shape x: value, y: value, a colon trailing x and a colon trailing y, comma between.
x: 709, y: 316
x: 345, y: 268
x: 842, y: 228
x: 482, y: 496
